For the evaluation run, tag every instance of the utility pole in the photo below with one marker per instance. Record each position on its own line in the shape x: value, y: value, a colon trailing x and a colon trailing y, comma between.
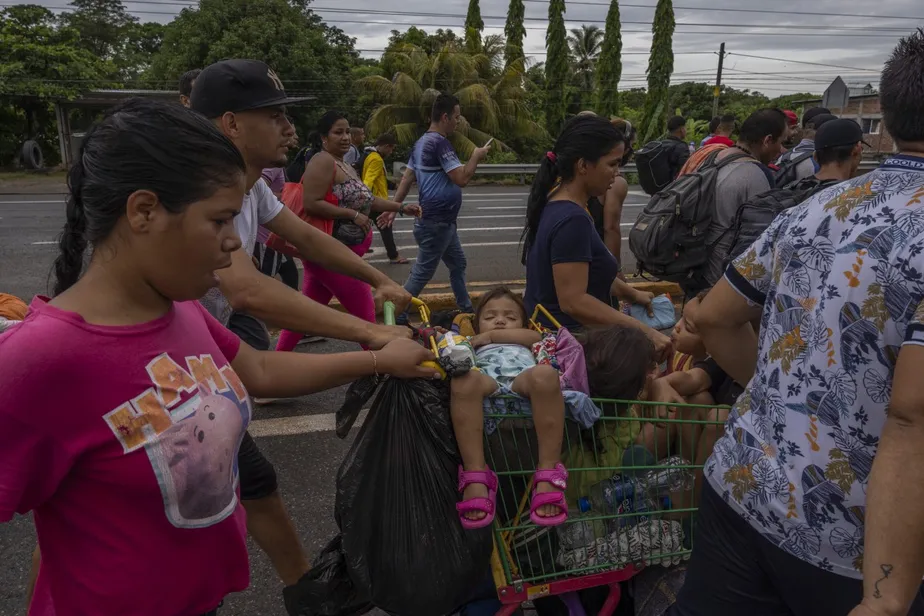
x: 718, y: 82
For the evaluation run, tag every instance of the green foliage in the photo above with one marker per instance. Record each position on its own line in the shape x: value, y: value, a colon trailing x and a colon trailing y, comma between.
x: 309, y: 56
x: 515, y: 32
x: 585, y: 44
x: 660, y: 68
x: 609, y: 65
x: 474, y: 25
x: 493, y: 99
x: 556, y: 68
x: 697, y: 130
x: 42, y: 61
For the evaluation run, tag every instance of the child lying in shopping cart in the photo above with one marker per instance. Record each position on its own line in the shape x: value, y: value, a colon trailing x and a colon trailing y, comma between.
x: 517, y: 373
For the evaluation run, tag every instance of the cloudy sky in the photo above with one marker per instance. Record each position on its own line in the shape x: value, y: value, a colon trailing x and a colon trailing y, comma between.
x: 840, y: 33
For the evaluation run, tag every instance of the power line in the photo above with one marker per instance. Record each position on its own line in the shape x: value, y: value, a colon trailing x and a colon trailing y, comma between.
x: 364, y: 11
x: 649, y: 6
x: 849, y: 68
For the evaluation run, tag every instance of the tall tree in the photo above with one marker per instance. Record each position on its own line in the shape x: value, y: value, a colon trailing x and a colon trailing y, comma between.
x: 515, y: 32
x: 309, y: 56
x: 660, y: 68
x: 101, y: 24
x: 556, y: 68
x: 473, y: 27
x: 609, y: 65
x: 584, y: 43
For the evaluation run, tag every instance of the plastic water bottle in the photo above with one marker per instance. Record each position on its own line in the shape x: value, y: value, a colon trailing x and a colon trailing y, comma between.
x: 617, y: 495
x: 692, y: 147
x: 661, y: 482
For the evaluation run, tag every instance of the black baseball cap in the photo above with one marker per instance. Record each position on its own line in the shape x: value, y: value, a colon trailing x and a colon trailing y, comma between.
x: 811, y: 113
x: 836, y: 133
x: 238, y: 85
x: 821, y: 119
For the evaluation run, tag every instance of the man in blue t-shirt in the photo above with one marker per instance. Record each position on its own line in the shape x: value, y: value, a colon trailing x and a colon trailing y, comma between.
x: 440, y: 177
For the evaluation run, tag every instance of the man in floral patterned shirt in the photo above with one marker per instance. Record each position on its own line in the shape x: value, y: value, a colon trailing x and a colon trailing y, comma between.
x: 796, y: 517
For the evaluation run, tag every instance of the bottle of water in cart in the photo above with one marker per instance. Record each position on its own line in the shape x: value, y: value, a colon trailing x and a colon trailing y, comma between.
x: 618, y: 495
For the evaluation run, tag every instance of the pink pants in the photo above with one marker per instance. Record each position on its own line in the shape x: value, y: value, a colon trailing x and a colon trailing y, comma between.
x: 320, y: 285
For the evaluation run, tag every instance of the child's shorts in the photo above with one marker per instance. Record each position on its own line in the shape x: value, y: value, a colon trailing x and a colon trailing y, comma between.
x: 578, y: 407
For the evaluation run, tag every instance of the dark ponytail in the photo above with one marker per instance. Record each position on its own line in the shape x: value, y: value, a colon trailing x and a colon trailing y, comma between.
x: 587, y: 137
x: 140, y: 145
x: 72, y: 245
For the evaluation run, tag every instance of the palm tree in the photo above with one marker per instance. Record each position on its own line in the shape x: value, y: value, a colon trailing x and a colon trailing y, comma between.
x: 491, y: 102
x: 585, y: 44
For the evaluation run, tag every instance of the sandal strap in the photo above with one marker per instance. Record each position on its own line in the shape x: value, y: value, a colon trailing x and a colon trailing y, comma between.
x: 556, y: 499
x: 484, y: 505
x: 486, y: 477
x: 557, y: 476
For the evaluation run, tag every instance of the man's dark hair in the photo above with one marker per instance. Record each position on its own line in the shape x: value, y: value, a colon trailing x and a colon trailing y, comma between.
x: 386, y: 139
x: 186, y: 81
x: 761, y: 123
x: 443, y: 105
x: 676, y: 123
x: 714, y: 124
x: 727, y: 123
x: 902, y: 90
x: 837, y: 154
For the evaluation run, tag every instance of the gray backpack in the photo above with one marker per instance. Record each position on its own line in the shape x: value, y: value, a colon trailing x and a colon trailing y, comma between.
x: 669, y: 237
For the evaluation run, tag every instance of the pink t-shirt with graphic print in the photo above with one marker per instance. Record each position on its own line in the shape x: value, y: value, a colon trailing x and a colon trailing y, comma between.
x: 123, y: 443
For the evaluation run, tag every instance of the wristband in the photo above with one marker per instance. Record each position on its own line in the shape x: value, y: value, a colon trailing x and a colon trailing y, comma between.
x: 356, y: 215
x: 375, y: 365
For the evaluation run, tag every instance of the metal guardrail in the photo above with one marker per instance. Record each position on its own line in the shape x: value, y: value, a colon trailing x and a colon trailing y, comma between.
x: 524, y: 169
x: 530, y: 169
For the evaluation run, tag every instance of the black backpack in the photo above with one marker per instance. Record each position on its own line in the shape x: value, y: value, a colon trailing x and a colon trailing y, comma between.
x: 296, y: 168
x: 755, y: 215
x: 669, y: 237
x: 358, y: 165
x: 786, y: 174
x: 653, y: 164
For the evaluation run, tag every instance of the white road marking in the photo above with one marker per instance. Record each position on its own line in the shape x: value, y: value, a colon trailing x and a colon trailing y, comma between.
x: 43, y: 243
x: 299, y: 424
x: 29, y: 202
x: 470, y: 229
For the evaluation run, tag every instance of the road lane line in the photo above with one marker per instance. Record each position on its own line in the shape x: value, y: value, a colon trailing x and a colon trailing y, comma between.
x: 299, y: 424
x: 43, y: 243
x: 471, y: 229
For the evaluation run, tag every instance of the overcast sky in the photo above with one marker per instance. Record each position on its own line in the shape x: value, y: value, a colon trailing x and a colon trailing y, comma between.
x: 848, y: 41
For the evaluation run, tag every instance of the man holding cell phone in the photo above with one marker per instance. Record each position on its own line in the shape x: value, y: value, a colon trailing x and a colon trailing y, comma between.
x: 440, y: 177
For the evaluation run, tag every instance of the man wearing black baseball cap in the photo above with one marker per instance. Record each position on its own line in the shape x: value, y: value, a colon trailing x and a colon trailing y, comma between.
x: 798, y: 163
x: 246, y: 101
x: 838, y: 149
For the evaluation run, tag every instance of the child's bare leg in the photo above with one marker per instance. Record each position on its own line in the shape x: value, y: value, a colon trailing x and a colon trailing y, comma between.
x: 466, y: 408
x: 541, y: 385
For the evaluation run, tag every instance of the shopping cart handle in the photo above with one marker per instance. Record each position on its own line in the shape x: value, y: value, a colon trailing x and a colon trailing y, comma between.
x: 388, y: 308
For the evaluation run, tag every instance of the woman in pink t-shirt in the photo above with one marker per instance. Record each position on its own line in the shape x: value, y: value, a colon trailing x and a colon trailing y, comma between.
x: 124, y: 401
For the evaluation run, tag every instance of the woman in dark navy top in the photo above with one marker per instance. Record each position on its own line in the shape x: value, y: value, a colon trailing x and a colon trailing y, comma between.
x: 569, y: 270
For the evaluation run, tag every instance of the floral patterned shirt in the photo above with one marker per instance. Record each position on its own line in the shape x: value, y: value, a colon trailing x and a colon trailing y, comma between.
x: 841, y: 282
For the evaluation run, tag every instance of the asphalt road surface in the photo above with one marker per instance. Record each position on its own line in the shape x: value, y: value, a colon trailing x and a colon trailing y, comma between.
x: 296, y: 435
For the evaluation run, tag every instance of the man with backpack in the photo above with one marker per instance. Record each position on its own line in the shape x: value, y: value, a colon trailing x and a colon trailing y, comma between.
x: 685, y: 232
x: 372, y: 172
x: 798, y: 162
x: 659, y: 162
x: 838, y: 149
x: 357, y: 137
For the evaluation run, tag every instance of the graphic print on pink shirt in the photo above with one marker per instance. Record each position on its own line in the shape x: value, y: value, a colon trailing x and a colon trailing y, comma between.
x: 192, y: 445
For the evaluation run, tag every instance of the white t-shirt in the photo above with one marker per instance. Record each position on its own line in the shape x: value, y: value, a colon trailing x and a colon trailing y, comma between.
x: 260, y: 206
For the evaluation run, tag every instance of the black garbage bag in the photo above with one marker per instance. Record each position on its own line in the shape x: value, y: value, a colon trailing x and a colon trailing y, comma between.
x: 359, y: 392
x: 326, y: 590
x: 396, y: 505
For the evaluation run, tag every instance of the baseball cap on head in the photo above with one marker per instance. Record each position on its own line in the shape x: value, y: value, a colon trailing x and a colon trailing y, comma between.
x: 812, y: 113
x: 837, y: 133
x: 791, y: 118
x: 238, y: 85
x: 820, y: 119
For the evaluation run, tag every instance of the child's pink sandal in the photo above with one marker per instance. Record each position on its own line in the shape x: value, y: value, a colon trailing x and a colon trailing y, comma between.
x: 485, y: 505
x: 558, y: 477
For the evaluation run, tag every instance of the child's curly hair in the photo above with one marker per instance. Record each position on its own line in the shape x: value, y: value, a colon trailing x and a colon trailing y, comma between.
x: 619, y: 359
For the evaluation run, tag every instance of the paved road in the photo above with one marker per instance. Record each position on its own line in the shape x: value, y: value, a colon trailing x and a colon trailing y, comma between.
x: 490, y: 227
x: 296, y: 434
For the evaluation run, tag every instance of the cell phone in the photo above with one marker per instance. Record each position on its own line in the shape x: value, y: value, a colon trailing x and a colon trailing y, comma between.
x: 489, y: 142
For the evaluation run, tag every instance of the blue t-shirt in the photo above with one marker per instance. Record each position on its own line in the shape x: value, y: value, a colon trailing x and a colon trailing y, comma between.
x: 566, y: 234
x: 432, y: 158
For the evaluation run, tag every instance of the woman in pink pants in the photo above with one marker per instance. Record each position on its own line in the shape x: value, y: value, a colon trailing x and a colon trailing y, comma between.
x: 338, y: 201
